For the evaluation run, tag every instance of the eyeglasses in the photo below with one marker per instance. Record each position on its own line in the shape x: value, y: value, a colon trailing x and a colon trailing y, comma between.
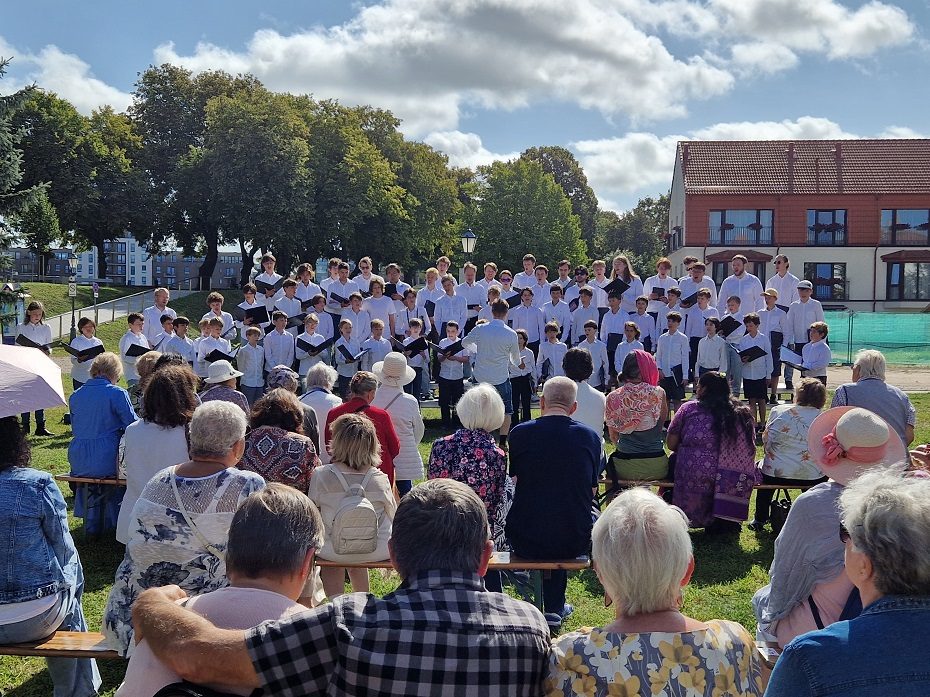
x: 844, y: 534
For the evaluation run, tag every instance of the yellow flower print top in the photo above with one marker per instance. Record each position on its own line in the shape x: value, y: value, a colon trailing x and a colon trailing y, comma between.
x: 719, y: 661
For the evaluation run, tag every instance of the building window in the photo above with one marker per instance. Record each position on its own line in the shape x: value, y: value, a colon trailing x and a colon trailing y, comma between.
x: 909, y: 281
x: 741, y: 227
x: 722, y: 269
x: 229, y: 272
x: 829, y: 280
x: 904, y: 226
x: 170, y: 271
x: 187, y: 270
x: 826, y: 227
x: 174, y: 257
x: 132, y: 270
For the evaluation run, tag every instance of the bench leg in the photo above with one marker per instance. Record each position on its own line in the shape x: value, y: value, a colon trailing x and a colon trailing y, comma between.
x: 537, y: 581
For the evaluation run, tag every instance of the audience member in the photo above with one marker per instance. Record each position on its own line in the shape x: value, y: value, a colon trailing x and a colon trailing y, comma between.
x: 43, y: 581
x: 221, y: 385
x: 713, y: 438
x: 100, y: 412
x: 636, y: 414
x: 319, y: 397
x: 869, y: 390
x: 392, y: 374
x: 643, y: 559
x: 578, y: 367
x: 166, y: 544
x: 159, y: 438
x: 283, y: 377
x: 787, y: 460
x: 264, y: 579
x: 886, y: 524
x: 555, y: 461
x: 276, y: 447
x: 808, y: 588
x: 440, y: 632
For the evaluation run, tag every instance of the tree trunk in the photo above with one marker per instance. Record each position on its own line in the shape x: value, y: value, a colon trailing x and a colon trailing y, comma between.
x: 205, y: 273
x: 101, y: 261
x: 247, y: 263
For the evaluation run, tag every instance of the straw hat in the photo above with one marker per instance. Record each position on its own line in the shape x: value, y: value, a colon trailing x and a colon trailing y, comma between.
x: 846, y: 441
x: 221, y: 371
x: 393, y: 370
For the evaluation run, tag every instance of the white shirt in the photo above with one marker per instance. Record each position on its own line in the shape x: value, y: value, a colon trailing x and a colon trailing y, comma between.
x: 279, y: 349
x: 452, y: 370
x: 474, y: 294
x: 417, y: 359
x: 377, y: 350
x: 361, y: 323
x: 306, y: 360
x: 689, y: 287
x: 380, y: 308
x: 529, y: 318
x: 529, y: 366
x: 403, y: 317
x: 737, y: 334
x: 613, y: 324
x: 306, y: 292
x: 761, y: 367
x: 181, y: 346
x: 694, y: 318
x: 600, y: 295
x: 628, y: 298
x: 208, y: 344
x: 712, y: 353
x: 246, y: 306
x: 485, y: 283
x: 647, y: 327
x: 251, y: 362
x: 662, y: 319
x: 658, y: 285
x: 228, y: 325
x: 623, y: 350
x: 774, y: 320
x: 81, y: 371
x: 598, y: 351
x: 673, y: 350
x: 401, y: 289
x: 800, y: 318
x: 129, y: 363
x: 748, y: 288
x: 524, y: 279
x: 448, y: 308
x: 160, y: 341
x: 364, y: 282
x: 321, y: 401
x: 817, y: 357
x: 581, y: 315
x: 590, y: 410
x: 787, y: 287
x: 540, y: 293
x: 152, y: 325
x: 343, y: 366
x: 432, y: 294
x: 342, y: 289
x: 270, y: 279
x: 404, y: 411
x: 498, y: 349
x: 554, y: 353
x: 200, y: 367
x: 562, y: 315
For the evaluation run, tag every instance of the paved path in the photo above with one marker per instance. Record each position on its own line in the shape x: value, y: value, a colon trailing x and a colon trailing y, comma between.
x: 106, y: 312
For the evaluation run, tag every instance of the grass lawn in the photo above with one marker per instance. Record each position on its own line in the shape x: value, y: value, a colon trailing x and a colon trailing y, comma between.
x: 55, y: 295
x: 727, y: 571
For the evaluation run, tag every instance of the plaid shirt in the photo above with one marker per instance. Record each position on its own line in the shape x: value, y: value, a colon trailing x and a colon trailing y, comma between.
x: 439, y: 633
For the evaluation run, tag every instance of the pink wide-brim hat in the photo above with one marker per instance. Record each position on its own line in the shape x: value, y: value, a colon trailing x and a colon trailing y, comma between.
x: 861, y: 443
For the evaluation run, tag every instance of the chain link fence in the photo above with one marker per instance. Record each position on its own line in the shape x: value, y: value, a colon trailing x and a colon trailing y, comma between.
x: 904, y: 339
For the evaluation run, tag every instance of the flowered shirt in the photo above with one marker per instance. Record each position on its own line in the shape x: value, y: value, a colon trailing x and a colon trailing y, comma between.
x: 719, y: 661
x: 473, y: 458
x: 786, y: 453
x: 634, y: 406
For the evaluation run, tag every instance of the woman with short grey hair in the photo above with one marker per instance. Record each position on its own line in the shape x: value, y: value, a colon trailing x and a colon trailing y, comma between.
x: 180, y: 523
x: 319, y: 396
x: 885, y: 527
x: 643, y: 558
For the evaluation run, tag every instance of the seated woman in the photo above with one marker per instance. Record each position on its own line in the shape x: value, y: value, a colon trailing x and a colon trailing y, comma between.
x: 276, y: 447
x: 393, y: 374
x: 635, y: 415
x: 787, y: 460
x: 100, y: 412
x: 714, y: 441
x: 643, y: 558
x: 180, y: 522
x: 356, y: 455
x: 42, y: 580
x: 283, y: 377
x: 159, y: 438
x: 808, y: 587
x: 886, y: 525
x: 319, y: 397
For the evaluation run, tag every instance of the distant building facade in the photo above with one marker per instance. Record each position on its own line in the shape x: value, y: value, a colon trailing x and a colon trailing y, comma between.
x: 853, y: 216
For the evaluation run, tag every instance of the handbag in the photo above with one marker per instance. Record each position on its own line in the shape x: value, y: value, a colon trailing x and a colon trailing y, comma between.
x: 779, y: 509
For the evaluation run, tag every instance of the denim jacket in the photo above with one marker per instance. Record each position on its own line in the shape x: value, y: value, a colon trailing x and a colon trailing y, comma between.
x: 880, y: 653
x: 39, y: 557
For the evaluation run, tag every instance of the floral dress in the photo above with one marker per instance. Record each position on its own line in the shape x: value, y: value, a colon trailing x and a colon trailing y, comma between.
x: 719, y: 661
x: 164, y: 550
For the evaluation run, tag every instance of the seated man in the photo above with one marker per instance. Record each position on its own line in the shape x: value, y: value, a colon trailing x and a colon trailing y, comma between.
x: 555, y: 462
x: 439, y: 633
x: 265, y: 580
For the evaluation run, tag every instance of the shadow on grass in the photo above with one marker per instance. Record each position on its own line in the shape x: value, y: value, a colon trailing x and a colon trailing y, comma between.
x: 40, y: 684
x: 726, y: 558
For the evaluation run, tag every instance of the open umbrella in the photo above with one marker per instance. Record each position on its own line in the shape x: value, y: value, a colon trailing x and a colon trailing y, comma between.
x: 29, y: 380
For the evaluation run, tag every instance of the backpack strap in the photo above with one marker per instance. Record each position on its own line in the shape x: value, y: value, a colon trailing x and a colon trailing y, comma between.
x: 345, y: 483
x: 341, y: 478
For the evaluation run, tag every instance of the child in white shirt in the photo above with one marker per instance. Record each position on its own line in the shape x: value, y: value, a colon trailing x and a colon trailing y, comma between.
x: 269, y: 276
x: 200, y: 366
x: 290, y: 304
x: 416, y: 360
x: 361, y: 320
x: 734, y: 364
x: 132, y: 336
x: 345, y: 366
x: 756, y: 373
x: 213, y: 342
x: 250, y: 360
x: 523, y: 379
x: 672, y: 353
x: 180, y: 344
x: 712, y: 349
x: 552, y: 350
x: 674, y: 300
x: 379, y: 306
x: 630, y: 343
x: 86, y: 339
x: 377, y: 344
x: 694, y: 326
x: 451, y: 373
x: 215, y: 303
x: 585, y: 312
x: 279, y: 344
x: 598, y: 350
x: 646, y: 324
x: 310, y: 336
x: 160, y: 340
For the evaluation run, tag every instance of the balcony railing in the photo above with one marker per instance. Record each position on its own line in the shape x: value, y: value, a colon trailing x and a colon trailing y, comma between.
x: 829, y: 235
x: 754, y: 234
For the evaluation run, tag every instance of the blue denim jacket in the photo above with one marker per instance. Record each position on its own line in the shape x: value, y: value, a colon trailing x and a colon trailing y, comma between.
x: 879, y: 654
x: 37, y: 552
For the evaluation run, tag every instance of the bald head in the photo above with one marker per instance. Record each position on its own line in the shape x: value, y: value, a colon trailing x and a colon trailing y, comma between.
x: 558, y: 396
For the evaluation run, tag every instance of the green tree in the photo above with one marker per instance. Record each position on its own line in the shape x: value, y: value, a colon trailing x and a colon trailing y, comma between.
x: 518, y: 207
x: 639, y: 232
x: 568, y: 174
x: 14, y: 192
x: 37, y: 226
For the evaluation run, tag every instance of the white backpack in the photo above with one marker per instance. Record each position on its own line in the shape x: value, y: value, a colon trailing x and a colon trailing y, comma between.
x: 355, y: 525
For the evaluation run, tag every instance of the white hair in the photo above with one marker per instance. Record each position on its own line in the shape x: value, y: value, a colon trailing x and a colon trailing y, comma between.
x: 871, y: 364
x: 481, y: 408
x: 560, y: 392
x: 215, y: 428
x: 642, y: 549
x: 887, y: 514
x: 322, y: 375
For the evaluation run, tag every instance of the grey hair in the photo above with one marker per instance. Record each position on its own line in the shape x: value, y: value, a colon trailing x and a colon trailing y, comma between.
x: 277, y: 512
x: 439, y: 524
x: 560, y: 392
x: 887, y: 514
x: 642, y: 549
x: 481, y: 408
x: 871, y: 364
x: 322, y: 375
x: 107, y: 365
x: 362, y: 383
x: 215, y: 428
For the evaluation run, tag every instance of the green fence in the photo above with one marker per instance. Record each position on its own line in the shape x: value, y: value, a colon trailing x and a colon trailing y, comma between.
x: 904, y: 339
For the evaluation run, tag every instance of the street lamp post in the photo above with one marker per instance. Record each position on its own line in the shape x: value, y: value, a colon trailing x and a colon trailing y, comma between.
x: 468, y: 243
x: 72, y: 288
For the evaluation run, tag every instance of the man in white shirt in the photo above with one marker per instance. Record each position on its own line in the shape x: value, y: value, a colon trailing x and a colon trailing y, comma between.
x: 279, y: 344
x: 585, y: 312
x: 694, y: 281
x: 530, y: 318
x: 556, y: 310
x: 744, y: 284
x: 654, y: 289
x: 498, y: 349
x: 527, y: 277
x: 271, y: 277
x: 688, y: 262
x: 342, y: 286
x: 801, y: 315
x: 784, y: 282
x: 451, y: 306
x: 490, y: 276
x: 564, y: 280
x: 474, y: 293
x: 540, y: 286
x: 363, y: 279
x: 152, y: 315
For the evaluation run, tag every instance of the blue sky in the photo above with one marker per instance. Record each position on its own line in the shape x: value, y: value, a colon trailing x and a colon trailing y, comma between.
x: 616, y: 81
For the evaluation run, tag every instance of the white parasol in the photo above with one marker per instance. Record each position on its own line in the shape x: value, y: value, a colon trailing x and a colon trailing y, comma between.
x: 29, y: 380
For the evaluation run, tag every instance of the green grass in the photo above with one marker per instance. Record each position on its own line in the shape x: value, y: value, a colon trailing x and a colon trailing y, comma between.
x: 55, y: 295
x: 728, y: 571
x: 192, y: 306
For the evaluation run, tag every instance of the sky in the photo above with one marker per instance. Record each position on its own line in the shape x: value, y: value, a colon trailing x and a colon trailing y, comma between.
x: 617, y: 82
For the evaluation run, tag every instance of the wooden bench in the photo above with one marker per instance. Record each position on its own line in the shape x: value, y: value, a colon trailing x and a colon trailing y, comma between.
x: 500, y: 561
x: 671, y: 485
x: 63, y: 645
x: 112, y: 484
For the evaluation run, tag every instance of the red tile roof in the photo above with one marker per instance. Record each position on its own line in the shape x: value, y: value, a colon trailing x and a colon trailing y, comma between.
x: 882, y: 166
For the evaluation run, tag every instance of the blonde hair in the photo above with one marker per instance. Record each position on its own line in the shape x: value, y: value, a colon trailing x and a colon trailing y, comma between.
x: 107, y: 365
x: 145, y: 364
x: 355, y: 442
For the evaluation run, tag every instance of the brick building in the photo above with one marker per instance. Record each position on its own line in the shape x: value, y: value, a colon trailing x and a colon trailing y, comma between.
x: 853, y: 216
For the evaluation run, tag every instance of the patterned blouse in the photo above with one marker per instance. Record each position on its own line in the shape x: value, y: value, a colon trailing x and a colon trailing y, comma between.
x: 634, y: 406
x: 719, y: 661
x: 473, y: 458
x: 785, y: 440
x: 280, y: 456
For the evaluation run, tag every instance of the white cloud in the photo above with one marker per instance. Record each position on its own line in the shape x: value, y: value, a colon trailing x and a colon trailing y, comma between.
x: 803, y: 128
x: 901, y: 132
x: 762, y: 57
x: 465, y: 149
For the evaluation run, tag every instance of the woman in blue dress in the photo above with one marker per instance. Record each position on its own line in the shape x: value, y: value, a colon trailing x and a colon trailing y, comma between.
x: 100, y: 412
